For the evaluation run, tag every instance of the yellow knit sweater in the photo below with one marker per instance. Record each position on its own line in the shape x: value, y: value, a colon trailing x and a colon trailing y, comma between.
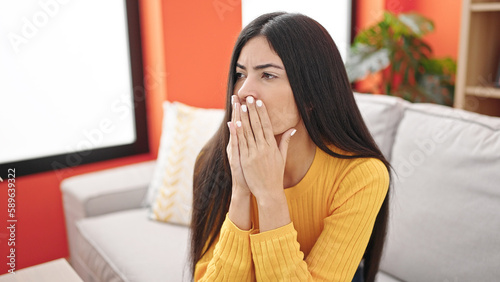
x: 333, y: 210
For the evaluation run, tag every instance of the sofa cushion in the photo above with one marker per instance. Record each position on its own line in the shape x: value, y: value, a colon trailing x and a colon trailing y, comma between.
x: 384, y: 277
x: 185, y: 131
x: 127, y: 246
x: 382, y: 115
x: 445, y: 206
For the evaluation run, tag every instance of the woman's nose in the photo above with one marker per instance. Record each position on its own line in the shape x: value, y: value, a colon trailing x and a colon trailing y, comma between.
x: 247, y: 88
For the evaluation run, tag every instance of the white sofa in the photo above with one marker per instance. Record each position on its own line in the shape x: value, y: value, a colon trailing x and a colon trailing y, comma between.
x: 445, y: 204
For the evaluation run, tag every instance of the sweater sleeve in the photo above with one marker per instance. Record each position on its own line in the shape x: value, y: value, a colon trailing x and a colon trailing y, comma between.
x: 229, y: 259
x: 340, y: 247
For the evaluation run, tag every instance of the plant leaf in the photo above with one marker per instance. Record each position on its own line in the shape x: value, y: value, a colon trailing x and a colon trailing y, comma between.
x: 418, y: 24
x: 364, y: 59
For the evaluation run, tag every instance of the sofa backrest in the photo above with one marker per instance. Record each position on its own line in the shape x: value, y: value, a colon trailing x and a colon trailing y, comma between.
x: 382, y: 115
x: 445, y: 203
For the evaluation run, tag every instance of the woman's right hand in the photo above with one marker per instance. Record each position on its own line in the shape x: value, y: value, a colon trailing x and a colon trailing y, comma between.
x: 240, y: 187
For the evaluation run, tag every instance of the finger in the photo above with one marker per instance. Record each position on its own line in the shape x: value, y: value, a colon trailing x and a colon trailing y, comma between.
x: 233, y: 152
x: 233, y: 139
x: 285, y: 140
x: 240, y: 134
x: 255, y: 121
x: 229, y: 144
x: 267, y: 127
x: 247, y: 127
x: 234, y: 99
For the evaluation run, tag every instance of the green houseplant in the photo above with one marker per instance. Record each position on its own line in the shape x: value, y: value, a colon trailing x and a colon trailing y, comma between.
x: 395, y: 46
x: 436, y: 80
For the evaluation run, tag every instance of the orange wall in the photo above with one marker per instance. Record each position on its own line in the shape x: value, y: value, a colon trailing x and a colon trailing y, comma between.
x: 199, y: 39
x: 446, y: 17
x: 155, y: 73
x: 193, y: 60
x: 368, y: 13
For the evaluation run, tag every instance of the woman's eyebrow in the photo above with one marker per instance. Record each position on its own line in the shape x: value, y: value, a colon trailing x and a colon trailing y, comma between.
x: 259, y: 67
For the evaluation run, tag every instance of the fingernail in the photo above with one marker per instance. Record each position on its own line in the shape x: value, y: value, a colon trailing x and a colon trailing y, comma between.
x: 238, y: 123
x: 244, y: 108
x: 250, y: 99
x: 232, y: 99
x: 293, y: 132
x: 229, y: 124
x: 259, y: 103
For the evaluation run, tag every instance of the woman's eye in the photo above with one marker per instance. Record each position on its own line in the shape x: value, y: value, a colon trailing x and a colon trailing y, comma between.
x: 239, y: 75
x: 268, y: 75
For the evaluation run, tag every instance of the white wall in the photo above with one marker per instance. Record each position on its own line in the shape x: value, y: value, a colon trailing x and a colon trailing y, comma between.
x: 334, y: 15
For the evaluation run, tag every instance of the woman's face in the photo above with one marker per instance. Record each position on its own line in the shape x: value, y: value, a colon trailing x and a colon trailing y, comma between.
x: 261, y: 74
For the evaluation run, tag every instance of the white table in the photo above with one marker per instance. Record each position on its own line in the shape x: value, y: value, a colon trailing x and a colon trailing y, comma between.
x: 52, y: 271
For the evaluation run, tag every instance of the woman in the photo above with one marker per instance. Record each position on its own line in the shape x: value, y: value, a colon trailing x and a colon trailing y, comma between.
x: 293, y: 185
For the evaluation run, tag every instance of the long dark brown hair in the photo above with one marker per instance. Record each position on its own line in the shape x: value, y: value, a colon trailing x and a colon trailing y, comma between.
x: 326, y: 104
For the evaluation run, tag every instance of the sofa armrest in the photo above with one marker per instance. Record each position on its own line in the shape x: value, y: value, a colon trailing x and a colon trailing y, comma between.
x: 108, y: 190
x: 102, y: 192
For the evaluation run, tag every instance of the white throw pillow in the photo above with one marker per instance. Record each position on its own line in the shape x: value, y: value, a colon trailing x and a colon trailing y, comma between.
x: 185, y: 131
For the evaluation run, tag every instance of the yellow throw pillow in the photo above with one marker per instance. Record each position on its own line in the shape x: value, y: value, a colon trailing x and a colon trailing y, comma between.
x: 185, y: 131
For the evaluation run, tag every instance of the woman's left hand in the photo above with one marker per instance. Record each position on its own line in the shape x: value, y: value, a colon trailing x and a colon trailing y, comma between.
x: 262, y: 161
